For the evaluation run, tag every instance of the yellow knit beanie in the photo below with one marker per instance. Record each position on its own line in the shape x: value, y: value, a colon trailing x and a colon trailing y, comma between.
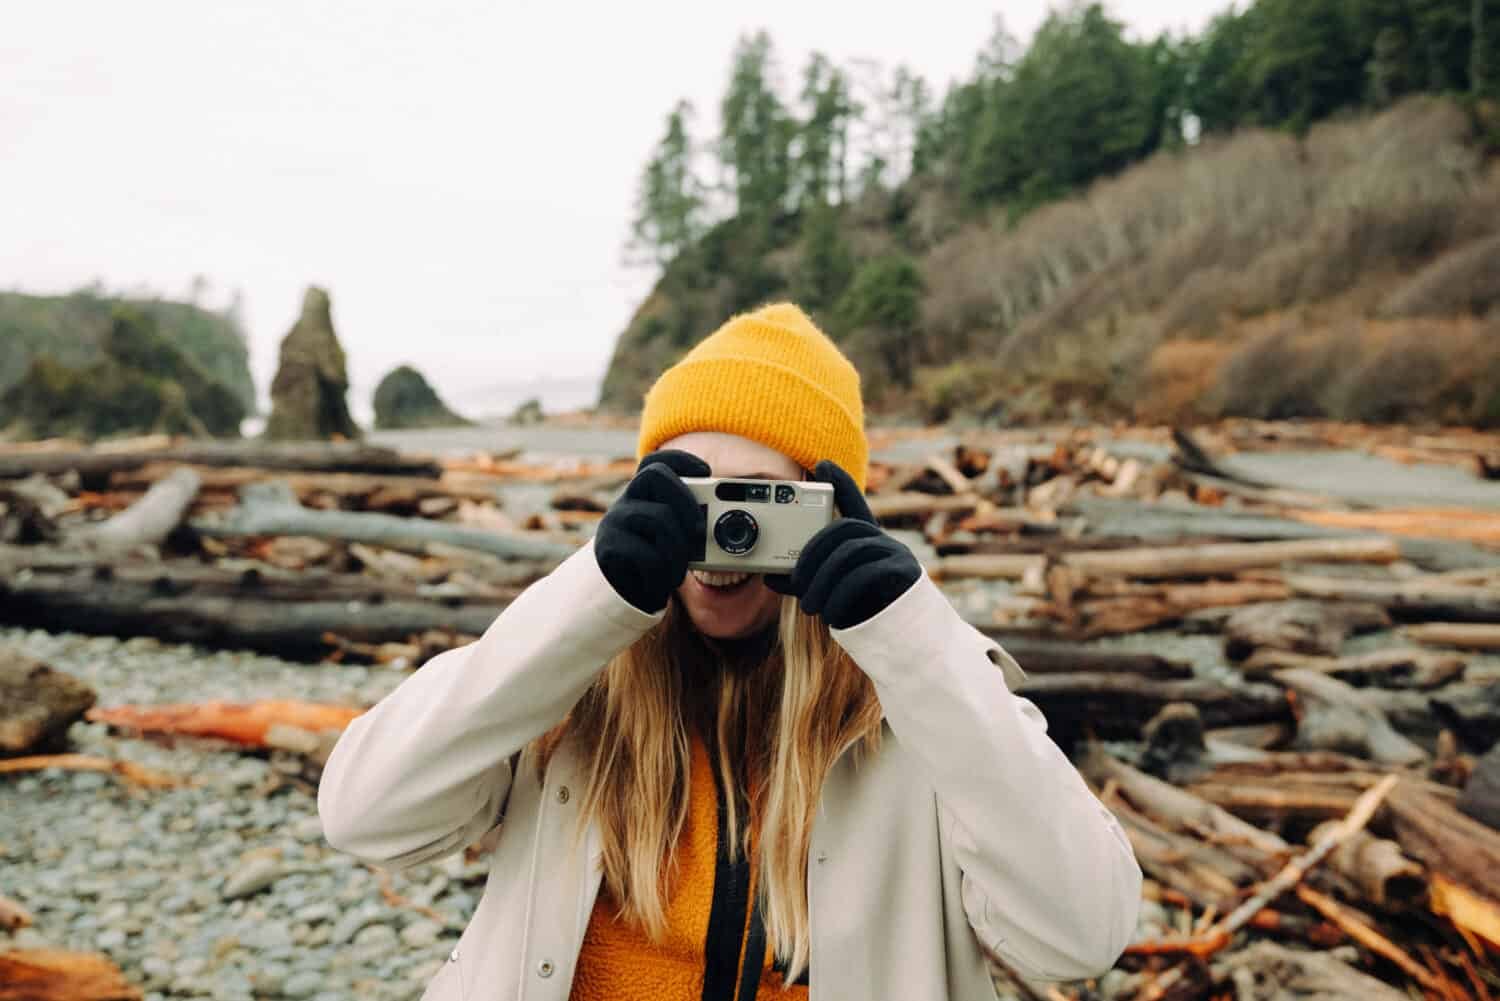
x: 771, y: 376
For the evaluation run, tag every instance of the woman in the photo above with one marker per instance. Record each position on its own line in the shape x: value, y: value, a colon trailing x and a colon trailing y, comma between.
x: 729, y: 786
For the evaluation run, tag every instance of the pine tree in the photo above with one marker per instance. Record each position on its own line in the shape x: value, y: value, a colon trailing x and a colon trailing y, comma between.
x: 669, y: 202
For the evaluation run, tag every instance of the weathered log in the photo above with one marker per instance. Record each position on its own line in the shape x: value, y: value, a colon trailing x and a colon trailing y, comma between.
x: 983, y: 566
x: 1167, y: 802
x: 1208, y: 876
x: 1470, y: 709
x: 149, y: 520
x: 272, y: 509
x: 1359, y: 927
x: 96, y: 465
x: 1406, y: 601
x: 1377, y: 867
x: 396, y: 490
x: 128, y: 770
x: 1333, y: 716
x: 1220, y: 934
x: 1481, y: 795
x: 1038, y: 656
x: 244, y: 723
x: 288, y: 628
x: 1400, y: 668
x: 920, y: 506
x: 1299, y: 626
x: 1130, y: 613
x: 1267, y: 971
x: 53, y: 975
x: 37, y: 703
x: 1115, y: 706
x: 1471, y: 636
x: 1460, y: 524
x: 1437, y: 834
x: 1228, y: 558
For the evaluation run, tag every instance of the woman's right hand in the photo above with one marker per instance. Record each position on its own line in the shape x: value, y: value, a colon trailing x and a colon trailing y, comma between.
x: 646, y: 538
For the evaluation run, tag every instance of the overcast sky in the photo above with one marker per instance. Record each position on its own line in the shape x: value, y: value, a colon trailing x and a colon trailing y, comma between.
x: 459, y: 175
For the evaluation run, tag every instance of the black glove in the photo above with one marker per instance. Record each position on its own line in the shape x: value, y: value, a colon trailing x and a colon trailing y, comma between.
x: 646, y: 538
x: 850, y: 570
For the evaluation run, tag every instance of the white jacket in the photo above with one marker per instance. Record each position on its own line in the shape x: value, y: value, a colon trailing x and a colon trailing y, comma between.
x: 968, y: 830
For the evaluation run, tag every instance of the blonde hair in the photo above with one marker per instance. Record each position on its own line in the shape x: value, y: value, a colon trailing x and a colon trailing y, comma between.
x: 776, y: 729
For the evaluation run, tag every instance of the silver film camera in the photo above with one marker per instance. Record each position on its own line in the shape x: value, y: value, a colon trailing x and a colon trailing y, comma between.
x: 758, y: 526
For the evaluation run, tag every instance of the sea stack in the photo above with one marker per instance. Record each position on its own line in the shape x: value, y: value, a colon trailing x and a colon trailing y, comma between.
x: 308, y: 395
x: 405, y: 399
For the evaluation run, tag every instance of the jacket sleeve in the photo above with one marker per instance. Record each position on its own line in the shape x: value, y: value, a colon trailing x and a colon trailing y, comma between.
x: 1050, y: 883
x: 424, y: 771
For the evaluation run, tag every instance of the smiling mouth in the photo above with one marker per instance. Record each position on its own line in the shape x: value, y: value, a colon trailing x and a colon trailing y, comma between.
x: 719, y: 580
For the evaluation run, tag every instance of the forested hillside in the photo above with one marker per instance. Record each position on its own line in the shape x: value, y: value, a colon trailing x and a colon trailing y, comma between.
x: 71, y: 329
x: 1296, y: 213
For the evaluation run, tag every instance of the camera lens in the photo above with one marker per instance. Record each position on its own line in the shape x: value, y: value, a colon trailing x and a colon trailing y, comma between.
x: 736, y: 532
x: 785, y: 493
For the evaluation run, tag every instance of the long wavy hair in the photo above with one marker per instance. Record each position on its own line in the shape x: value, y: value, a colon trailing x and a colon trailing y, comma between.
x: 776, y: 720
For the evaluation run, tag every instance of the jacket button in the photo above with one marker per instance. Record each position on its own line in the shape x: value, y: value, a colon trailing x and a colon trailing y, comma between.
x: 563, y: 794
x: 453, y: 956
x: 822, y: 857
x: 544, y: 968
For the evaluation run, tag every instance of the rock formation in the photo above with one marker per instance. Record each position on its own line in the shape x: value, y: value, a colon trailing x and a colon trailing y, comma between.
x: 404, y: 399
x: 308, y: 393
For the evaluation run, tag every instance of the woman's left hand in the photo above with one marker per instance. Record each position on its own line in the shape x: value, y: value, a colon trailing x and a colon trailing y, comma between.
x: 850, y: 571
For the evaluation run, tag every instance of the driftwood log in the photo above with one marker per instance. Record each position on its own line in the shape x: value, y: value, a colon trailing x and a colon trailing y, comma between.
x: 1115, y: 706
x: 272, y: 509
x: 281, y: 612
x: 1399, y: 668
x: 1229, y: 557
x: 1314, y: 627
x: 1037, y: 656
x: 95, y: 466
x: 1334, y: 716
x: 52, y: 975
x: 149, y: 520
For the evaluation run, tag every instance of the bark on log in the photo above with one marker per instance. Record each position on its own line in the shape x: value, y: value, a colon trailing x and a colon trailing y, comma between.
x: 1377, y: 867
x: 272, y: 509
x: 1333, y: 716
x: 1116, y: 706
x: 397, y: 490
x: 54, y: 975
x: 1043, y: 657
x: 982, y: 566
x: 1267, y: 971
x: 1298, y: 626
x: 1164, y: 801
x: 1414, y: 601
x: 217, y: 616
x: 1228, y: 558
x: 1483, y: 637
x: 1207, y: 876
x: 919, y: 506
x: 334, y: 457
x: 1447, y: 841
x: 1408, y: 668
x: 37, y: 704
x: 149, y: 520
x: 1481, y: 795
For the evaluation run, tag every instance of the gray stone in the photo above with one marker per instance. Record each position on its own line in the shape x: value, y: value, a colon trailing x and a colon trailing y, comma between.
x: 301, y: 984
x: 252, y: 877
x: 421, y: 934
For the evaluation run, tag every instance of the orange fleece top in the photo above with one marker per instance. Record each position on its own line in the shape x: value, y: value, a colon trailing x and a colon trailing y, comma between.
x: 619, y: 962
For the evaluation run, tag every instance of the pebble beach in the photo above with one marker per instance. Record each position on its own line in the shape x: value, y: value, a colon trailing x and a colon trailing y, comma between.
x: 224, y: 888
